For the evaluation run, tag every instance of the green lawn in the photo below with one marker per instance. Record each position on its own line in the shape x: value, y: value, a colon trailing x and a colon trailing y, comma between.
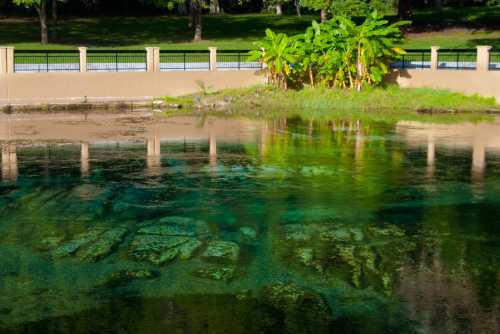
x: 229, y: 31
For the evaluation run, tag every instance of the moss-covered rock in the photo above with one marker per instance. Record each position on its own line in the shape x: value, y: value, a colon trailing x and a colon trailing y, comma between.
x: 216, y: 272
x: 177, y: 226
x: 222, y: 251
x: 103, y: 245
x: 70, y: 247
x: 363, y: 256
x: 124, y: 277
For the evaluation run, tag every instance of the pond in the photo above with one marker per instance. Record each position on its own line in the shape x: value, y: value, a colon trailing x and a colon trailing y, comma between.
x: 140, y: 223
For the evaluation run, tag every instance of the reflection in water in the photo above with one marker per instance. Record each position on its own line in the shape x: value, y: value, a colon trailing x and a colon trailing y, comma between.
x: 9, y: 162
x: 84, y: 160
x: 284, y: 226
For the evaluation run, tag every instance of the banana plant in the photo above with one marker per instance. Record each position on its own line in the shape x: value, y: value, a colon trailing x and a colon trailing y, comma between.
x: 277, y: 52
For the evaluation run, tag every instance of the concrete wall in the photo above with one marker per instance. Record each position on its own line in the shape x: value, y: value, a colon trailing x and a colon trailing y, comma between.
x: 484, y: 83
x: 36, y: 88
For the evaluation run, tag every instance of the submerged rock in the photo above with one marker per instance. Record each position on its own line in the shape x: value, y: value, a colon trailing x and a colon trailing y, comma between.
x: 216, y: 272
x: 362, y: 256
x: 187, y: 250
x: 301, y: 232
x: 222, y: 251
x: 103, y: 246
x: 305, y: 255
x: 177, y: 226
x: 248, y: 233
x: 80, y: 240
x: 124, y: 277
x: 155, y: 248
x: 92, y: 246
x: 50, y: 243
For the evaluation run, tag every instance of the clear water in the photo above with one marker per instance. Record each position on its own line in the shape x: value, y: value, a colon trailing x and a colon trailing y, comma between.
x: 341, y: 226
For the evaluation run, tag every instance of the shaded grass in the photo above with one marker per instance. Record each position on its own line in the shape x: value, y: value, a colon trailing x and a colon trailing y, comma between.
x: 225, y: 31
x: 388, y: 104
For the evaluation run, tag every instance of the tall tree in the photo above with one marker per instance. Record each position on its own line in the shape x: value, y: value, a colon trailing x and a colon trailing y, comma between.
x: 41, y: 8
x: 195, y: 12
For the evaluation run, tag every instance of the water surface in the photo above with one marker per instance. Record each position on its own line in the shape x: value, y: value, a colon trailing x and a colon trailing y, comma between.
x: 136, y: 223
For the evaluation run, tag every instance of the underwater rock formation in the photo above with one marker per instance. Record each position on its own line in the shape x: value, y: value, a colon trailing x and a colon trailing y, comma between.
x: 93, y: 245
x: 363, y: 256
x: 216, y: 272
x: 222, y: 251
x: 168, y: 239
x: 124, y: 277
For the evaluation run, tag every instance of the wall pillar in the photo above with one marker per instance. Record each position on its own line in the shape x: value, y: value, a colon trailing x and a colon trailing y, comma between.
x: 156, y: 59
x: 434, y: 58
x: 83, y: 58
x: 150, y: 59
x: 213, y: 58
x: 483, y: 58
x: 6, y: 60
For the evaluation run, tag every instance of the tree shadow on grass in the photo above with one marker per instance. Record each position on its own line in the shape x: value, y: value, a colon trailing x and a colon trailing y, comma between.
x: 136, y: 31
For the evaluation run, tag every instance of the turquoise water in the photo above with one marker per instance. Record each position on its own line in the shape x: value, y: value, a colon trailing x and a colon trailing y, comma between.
x: 287, y: 226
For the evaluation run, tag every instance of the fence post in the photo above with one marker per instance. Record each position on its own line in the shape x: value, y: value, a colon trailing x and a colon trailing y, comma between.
x: 483, y: 58
x: 434, y: 58
x: 83, y: 58
x: 213, y: 58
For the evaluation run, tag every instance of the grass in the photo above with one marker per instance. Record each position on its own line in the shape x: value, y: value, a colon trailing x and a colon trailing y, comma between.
x: 390, y: 103
x: 240, y: 31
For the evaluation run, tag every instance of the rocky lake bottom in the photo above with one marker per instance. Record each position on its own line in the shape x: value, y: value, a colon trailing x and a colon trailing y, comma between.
x: 150, y: 224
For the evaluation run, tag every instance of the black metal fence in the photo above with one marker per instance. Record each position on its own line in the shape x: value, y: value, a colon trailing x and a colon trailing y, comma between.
x: 172, y: 60
x: 236, y: 59
x: 116, y: 61
x: 457, y: 59
x: 495, y: 60
x: 46, y: 61
x: 416, y: 58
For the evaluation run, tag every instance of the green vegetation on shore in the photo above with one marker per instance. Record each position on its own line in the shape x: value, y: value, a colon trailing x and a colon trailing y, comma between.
x: 388, y: 103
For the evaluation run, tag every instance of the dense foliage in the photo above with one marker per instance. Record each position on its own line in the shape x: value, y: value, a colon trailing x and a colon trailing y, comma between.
x: 338, y: 53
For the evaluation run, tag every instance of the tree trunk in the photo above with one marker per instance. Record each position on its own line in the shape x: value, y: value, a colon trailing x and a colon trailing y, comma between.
x: 297, y: 8
x: 404, y: 9
x: 196, y: 19
x: 279, y: 8
x: 214, y: 7
x: 324, y: 15
x: 44, y: 28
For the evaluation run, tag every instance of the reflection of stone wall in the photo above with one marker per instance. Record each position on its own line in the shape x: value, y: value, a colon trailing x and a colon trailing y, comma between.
x: 9, y: 162
x: 442, y: 302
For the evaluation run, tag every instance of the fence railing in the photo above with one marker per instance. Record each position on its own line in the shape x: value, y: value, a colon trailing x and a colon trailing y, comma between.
x: 457, y: 59
x: 416, y: 58
x: 171, y: 60
x: 46, y: 61
x: 154, y: 59
x: 236, y: 59
x: 495, y: 60
x: 116, y: 61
